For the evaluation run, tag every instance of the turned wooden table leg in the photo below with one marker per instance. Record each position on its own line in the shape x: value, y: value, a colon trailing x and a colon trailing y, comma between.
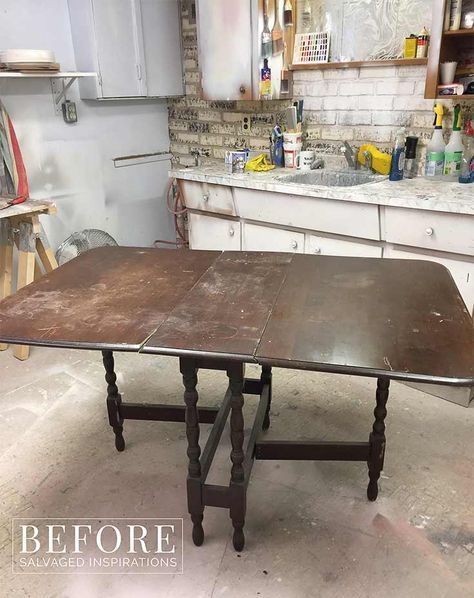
x: 266, y: 378
x: 114, y: 400
x: 194, y: 486
x: 237, y: 478
x: 377, y: 438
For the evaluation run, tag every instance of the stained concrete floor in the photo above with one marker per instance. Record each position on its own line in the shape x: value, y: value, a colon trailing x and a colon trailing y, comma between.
x: 310, y: 531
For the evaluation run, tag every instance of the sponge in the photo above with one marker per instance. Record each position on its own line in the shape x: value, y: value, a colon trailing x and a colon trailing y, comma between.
x: 380, y: 161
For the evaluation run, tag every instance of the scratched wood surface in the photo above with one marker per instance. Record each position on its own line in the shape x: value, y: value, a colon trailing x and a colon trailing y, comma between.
x: 226, y: 312
x: 111, y: 297
x: 30, y: 206
x: 401, y: 318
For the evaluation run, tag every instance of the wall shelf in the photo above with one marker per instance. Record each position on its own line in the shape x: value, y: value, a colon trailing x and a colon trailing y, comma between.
x: 44, y: 75
x: 459, y: 32
x: 357, y: 64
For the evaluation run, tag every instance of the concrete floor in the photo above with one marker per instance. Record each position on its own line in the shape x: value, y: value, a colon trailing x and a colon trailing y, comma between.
x: 310, y: 531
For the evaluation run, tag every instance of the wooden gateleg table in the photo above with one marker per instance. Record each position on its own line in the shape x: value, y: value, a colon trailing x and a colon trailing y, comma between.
x: 386, y: 319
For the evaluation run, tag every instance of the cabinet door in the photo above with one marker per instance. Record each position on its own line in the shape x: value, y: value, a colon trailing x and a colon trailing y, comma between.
x: 225, y: 49
x: 327, y: 246
x: 117, y: 48
x: 207, y: 232
x: 264, y: 238
x: 160, y: 25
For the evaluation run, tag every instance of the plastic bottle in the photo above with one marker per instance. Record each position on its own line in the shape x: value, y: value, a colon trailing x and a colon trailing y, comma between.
x: 410, y: 170
x: 467, y: 162
x: 455, y: 148
x: 398, y: 157
x: 435, y: 148
x: 455, y: 15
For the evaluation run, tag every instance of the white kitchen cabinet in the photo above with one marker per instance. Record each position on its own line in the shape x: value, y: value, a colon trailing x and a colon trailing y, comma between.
x: 209, y: 232
x: 133, y: 45
x: 264, y: 238
x: 329, y: 246
x: 208, y: 198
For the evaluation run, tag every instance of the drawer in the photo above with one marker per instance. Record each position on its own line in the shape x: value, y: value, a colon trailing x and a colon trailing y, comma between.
x: 326, y: 246
x: 310, y: 213
x: 208, y: 232
x: 439, y: 231
x: 265, y: 238
x: 462, y: 272
x: 207, y: 197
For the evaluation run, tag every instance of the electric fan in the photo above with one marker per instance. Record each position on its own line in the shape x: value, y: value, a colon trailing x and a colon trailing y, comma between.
x: 81, y: 242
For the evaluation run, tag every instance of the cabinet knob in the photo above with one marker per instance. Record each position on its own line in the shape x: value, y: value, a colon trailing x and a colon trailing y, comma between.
x: 231, y: 231
x: 317, y: 250
x: 294, y: 244
x: 205, y: 197
x: 429, y: 231
x: 242, y: 89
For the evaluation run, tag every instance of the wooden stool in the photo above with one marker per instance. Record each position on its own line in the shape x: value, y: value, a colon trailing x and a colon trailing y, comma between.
x: 20, y: 227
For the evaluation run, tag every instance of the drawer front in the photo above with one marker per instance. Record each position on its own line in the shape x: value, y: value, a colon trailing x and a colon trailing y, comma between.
x: 431, y: 230
x: 264, y: 238
x: 206, y: 232
x: 310, y: 213
x: 324, y: 246
x: 462, y: 272
x: 208, y: 198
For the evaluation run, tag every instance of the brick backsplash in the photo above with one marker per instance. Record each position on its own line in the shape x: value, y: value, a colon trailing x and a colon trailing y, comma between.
x: 358, y: 105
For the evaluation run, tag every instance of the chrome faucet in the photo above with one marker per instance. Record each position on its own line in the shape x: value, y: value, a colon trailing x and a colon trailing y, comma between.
x: 350, y: 156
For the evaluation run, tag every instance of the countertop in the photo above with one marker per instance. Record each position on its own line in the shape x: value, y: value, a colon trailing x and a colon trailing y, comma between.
x: 416, y: 193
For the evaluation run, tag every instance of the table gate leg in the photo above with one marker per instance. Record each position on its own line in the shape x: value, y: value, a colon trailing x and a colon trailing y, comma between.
x: 237, y: 478
x: 195, y: 506
x: 377, y: 439
x: 113, y: 400
x: 266, y: 378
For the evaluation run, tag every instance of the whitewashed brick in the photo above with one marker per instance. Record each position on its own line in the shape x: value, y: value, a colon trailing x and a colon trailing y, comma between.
x: 341, y: 74
x: 373, y: 134
x: 187, y: 137
x: 390, y: 118
x: 354, y: 118
x: 307, y: 76
x: 376, y: 103
x: 222, y: 128
x: 423, y: 120
x: 187, y: 161
x: 420, y: 88
x: 192, y: 76
x: 337, y: 133
x: 340, y: 103
x: 313, y: 103
x: 313, y: 133
x: 219, y: 152
x: 356, y: 89
x: 298, y: 89
x: 395, y: 87
x: 211, y: 139
x: 412, y: 103
x: 209, y: 115
x: 233, y: 117
x: 321, y: 88
x: 177, y: 125
x: 415, y: 72
x: 191, y: 90
x: 377, y: 72
x: 179, y: 148
x: 326, y: 117
x: 190, y: 63
x: 258, y: 143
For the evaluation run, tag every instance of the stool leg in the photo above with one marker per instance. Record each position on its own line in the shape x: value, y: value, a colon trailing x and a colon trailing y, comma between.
x: 237, y: 478
x: 26, y: 271
x: 6, y: 262
x: 377, y: 438
x: 194, y: 485
x: 266, y: 378
x: 114, y: 400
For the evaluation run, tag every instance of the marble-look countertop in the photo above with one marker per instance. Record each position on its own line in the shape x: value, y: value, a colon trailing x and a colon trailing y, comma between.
x: 416, y: 193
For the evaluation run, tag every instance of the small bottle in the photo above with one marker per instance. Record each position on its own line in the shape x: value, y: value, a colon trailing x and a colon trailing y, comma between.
x: 266, y: 81
x: 467, y: 163
x: 455, y: 148
x: 398, y: 157
x: 422, y: 43
x: 435, y: 148
x: 410, y: 170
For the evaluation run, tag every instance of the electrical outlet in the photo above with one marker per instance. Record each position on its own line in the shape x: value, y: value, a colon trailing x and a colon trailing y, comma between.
x: 246, y: 124
x: 69, y: 112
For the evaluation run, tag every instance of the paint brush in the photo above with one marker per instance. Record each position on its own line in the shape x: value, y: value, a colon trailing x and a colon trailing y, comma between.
x: 277, y: 32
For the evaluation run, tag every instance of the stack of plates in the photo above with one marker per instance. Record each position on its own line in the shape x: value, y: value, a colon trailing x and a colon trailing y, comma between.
x: 28, y: 60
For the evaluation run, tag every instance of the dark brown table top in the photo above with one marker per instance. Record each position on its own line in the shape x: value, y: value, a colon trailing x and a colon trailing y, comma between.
x: 403, y: 319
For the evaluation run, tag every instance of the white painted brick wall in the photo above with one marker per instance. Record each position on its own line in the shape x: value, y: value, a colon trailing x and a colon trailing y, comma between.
x: 359, y: 105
